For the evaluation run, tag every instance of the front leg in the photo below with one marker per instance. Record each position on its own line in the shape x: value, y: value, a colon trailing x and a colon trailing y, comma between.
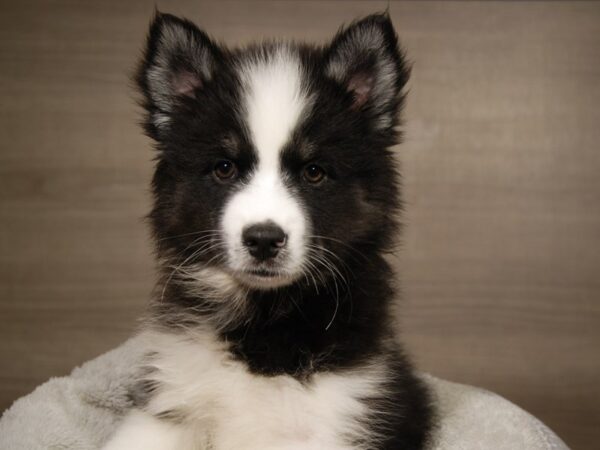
x: 142, y: 431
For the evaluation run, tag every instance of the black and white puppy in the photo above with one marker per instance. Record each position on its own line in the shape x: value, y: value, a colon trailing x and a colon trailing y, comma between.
x: 275, y: 199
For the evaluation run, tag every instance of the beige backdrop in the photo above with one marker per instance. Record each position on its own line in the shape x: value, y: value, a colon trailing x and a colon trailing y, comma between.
x: 501, y: 251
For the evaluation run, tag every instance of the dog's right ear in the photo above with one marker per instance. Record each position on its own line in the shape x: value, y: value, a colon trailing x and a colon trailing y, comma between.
x: 179, y: 59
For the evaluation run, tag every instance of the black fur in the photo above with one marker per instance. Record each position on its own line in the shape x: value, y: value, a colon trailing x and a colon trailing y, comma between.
x: 330, y: 325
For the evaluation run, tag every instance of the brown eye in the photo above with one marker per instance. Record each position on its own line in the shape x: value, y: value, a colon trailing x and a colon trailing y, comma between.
x: 313, y: 173
x: 224, y: 170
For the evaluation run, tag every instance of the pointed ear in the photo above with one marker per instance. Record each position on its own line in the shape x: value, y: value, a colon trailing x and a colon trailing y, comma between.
x: 178, y: 61
x: 366, y: 60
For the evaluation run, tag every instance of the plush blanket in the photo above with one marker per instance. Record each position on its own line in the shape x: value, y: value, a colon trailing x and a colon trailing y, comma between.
x: 80, y: 411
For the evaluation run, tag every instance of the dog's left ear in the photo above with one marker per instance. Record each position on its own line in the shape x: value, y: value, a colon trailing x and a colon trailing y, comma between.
x: 366, y: 60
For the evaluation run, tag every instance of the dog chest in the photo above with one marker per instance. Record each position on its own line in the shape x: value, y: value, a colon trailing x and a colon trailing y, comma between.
x: 204, y: 388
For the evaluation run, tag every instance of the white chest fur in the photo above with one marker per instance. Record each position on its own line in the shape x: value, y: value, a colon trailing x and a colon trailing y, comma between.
x: 223, y: 406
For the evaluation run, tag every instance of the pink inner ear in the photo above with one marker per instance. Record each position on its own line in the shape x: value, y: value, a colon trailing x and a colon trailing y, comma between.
x: 185, y: 82
x: 361, y: 85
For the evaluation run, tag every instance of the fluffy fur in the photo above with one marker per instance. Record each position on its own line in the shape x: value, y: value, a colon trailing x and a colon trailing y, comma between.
x: 275, y: 199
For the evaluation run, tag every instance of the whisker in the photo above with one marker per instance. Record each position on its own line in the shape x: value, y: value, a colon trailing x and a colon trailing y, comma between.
x: 341, y: 261
x: 314, y: 268
x: 321, y: 259
x: 203, y: 249
x: 332, y: 267
x: 350, y: 247
x: 189, y: 234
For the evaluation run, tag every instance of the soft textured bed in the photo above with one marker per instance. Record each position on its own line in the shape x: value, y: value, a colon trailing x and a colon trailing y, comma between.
x: 80, y: 411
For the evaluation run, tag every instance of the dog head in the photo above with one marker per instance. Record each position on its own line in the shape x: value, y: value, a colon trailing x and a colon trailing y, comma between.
x: 273, y: 160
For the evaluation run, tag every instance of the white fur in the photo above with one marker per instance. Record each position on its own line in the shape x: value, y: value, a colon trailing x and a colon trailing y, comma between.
x: 274, y: 103
x: 142, y: 431
x: 225, y: 298
x: 226, y: 407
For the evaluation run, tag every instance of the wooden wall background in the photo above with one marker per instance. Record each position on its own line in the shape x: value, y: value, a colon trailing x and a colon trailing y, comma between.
x: 501, y: 253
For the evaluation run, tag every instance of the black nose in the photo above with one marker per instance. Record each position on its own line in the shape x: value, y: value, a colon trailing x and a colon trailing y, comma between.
x: 263, y: 240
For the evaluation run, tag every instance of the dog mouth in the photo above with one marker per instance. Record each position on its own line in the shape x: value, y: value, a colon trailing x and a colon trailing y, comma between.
x: 263, y: 278
x: 263, y: 273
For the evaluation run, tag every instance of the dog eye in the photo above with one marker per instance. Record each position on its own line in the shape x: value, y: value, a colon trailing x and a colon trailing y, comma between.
x: 313, y: 173
x: 225, y: 170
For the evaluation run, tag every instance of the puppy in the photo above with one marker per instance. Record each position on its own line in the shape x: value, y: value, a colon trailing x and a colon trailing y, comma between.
x: 275, y: 198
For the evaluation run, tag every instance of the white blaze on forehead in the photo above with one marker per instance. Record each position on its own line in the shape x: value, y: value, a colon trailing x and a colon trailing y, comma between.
x: 274, y: 102
x: 273, y: 105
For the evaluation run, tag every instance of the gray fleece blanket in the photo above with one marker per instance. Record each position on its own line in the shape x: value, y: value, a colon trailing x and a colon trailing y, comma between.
x: 80, y: 411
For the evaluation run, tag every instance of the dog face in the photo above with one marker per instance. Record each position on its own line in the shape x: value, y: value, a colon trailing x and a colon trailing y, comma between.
x: 273, y: 160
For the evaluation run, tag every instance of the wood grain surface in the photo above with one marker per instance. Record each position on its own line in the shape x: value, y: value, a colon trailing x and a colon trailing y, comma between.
x: 500, y: 257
